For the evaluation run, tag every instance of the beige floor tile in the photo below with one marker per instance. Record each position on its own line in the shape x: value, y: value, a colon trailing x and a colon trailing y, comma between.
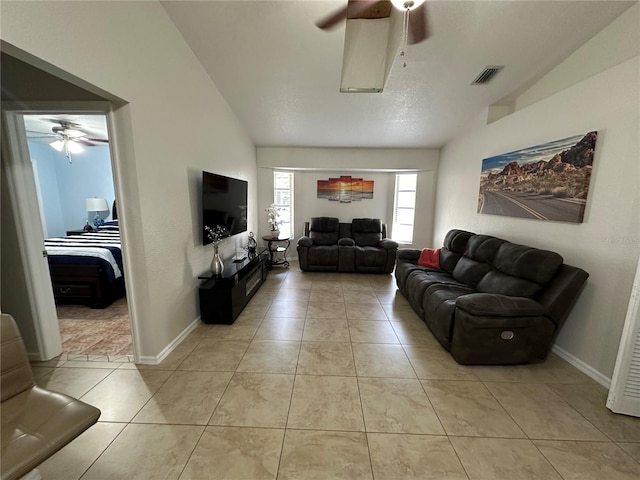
x: 282, y: 328
x: 74, y: 459
x: 502, y: 459
x: 296, y: 284
x: 468, y: 409
x: 326, y: 295
x: 380, y: 360
x: 553, y: 370
x: 365, y: 311
x: 329, y: 311
x: 236, y: 331
x: 355, y: 296
x: 293, y: 295
x: 312, y: 455
x: 39, y: 372
x: 400, y: 313
x: 55, y: 362
x: 333, y: 286
x: 349, y: 287
x: 326, y: 330
x: 391, y: 297
x: 185, y: 398
x: 393, y: 405
x: 325, y: 403
x: 590, y: 400
x: 255, y: 400
x: 215, y: 355
x: 326, y: 358
x: 432, y: 362
x: 233, y: 453
x: 88, y: 364
x: 632, y: 448
x: 420, y: 457
x: 255, y: 309
x: 123, y: 393
x: 372, y: 332
x: 287, y: 309
x: 542, y: 414
x: 413, y: 333
x: 270, y: 356
x: 146, y: 452
x: 589, y: 460
x: 73, y: 382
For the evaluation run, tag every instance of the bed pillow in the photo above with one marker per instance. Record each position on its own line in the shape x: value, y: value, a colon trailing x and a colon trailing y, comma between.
x: 430, y: 257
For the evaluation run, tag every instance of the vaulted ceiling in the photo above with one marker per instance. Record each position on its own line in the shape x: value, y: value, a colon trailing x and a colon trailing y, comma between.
x: 281, y: 74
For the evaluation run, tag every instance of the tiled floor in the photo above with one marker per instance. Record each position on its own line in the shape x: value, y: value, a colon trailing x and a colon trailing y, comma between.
x: 328, y: 376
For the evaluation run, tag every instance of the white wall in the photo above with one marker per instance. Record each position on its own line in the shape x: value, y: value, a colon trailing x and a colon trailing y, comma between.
x: 607, y: 244
x: 175, y: 124
x: 65, y: 186
x: 312, y: 164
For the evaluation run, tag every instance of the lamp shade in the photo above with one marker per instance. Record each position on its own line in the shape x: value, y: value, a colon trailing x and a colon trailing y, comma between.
x: 95, y: 204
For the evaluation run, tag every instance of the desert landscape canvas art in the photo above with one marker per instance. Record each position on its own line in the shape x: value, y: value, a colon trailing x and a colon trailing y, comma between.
x: 544, y: 182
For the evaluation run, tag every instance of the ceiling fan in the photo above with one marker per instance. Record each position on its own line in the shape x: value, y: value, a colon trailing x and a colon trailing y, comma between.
x: 69, y: 137
x: 415, y: 16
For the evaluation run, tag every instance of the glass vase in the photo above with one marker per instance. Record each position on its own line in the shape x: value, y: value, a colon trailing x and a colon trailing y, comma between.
x: 216, y: 263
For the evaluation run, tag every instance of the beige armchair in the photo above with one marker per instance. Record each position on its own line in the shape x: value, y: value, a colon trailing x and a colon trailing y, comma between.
x: 35, y: 422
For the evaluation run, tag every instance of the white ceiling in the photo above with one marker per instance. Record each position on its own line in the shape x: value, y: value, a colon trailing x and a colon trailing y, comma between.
x: 281, y: 74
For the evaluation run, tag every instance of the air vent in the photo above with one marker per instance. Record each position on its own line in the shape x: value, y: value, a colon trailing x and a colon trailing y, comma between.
x: 487, y: 74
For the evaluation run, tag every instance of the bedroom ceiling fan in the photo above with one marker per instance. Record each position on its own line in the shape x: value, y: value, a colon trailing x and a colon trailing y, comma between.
x: 415, y: 16
x: 376, y: 30
x: 69, y: 137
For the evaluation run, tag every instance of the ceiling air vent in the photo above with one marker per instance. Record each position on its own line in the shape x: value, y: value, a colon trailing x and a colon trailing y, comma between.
x: 487, y: 74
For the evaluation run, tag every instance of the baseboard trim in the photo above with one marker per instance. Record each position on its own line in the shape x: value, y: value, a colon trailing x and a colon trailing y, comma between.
x: 157, y: 359
x: 583, y: 367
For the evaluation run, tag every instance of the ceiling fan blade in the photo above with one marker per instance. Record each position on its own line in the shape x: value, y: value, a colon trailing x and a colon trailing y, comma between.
x: 418, y: 25
x: 99, y: 140
x: 356, y: 9
x: 333, y: 19
x: 83, y: 141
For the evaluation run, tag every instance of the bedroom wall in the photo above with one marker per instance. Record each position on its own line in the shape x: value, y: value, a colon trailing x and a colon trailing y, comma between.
x: 607, y: 243
x: 379, y: 165
x: 65, y: 186
x: 174, y: 124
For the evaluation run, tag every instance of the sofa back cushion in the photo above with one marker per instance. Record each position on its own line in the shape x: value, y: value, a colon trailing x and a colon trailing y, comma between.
x: 324, y: 230
x: 366, y: 232
x: 455, y: 243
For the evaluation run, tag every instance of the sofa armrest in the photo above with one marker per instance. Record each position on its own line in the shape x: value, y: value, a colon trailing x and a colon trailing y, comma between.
x: 408, y: 254
x: 305, y: 242
x: 388, y: 244
x: 346, y: 242
x: 494, y: 305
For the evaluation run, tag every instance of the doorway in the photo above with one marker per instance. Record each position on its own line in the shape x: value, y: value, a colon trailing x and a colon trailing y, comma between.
x: 75, y: 188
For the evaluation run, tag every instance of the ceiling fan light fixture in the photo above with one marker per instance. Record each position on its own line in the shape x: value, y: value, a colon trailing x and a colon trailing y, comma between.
x: 58, y: 145
x: 407, y: 4
x: 74, y: 147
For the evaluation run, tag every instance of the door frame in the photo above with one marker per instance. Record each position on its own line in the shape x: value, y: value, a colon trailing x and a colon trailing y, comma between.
x: 29, y: 230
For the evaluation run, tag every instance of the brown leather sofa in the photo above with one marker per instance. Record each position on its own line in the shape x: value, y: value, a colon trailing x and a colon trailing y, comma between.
x: 360, y: 246
x: 491, y: 301
x: 36, y: 423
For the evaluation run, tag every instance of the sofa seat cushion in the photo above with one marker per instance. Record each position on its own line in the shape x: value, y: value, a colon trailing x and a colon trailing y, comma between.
x: 402, y: 272
x: 324, y: 255
x: 439, y: 304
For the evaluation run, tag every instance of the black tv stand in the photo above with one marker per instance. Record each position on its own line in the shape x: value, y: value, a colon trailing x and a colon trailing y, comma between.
x: 223, y: 297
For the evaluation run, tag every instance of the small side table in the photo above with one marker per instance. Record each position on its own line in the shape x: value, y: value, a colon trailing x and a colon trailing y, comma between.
x: 277, y: 248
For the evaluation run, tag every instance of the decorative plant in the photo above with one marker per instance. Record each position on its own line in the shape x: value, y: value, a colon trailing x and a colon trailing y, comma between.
x: 273, y: 213
x: 215, y: 234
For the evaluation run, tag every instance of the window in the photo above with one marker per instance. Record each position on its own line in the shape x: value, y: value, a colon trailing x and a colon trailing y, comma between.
x: 404, y: 207
x: 283, y: 199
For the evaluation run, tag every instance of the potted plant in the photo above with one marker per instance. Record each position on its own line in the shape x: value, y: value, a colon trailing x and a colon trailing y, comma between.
x: 273, y: 213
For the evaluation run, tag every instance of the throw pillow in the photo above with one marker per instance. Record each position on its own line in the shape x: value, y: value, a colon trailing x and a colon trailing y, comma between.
x: 430, y: 257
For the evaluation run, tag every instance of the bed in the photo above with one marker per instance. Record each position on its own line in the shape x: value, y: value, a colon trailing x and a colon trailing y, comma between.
x: 87, y: 269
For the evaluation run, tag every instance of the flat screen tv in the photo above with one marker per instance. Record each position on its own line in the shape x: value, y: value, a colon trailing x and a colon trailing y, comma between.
x: 224, y: 204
